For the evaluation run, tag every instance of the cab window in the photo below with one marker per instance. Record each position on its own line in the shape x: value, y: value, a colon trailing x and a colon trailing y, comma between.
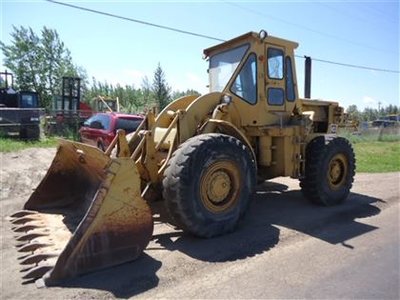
x: 275, y: 96
x: 29, y: 101
x: 245, y: 84
x: 129, y: 125
x: 98, y: 122
x: 290, y: 93
x: 275, y: 63
x: 223, y: 65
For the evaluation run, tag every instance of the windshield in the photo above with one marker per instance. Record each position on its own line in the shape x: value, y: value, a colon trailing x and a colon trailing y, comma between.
x: 29, y: 100
x: 223, y: 65
x: 98, y: 121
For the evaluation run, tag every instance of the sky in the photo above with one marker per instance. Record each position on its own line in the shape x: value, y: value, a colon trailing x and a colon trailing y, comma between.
x: 364, y: 33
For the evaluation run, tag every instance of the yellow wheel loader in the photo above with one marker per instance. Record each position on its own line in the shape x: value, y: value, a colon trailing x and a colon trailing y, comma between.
x: 201, y: 155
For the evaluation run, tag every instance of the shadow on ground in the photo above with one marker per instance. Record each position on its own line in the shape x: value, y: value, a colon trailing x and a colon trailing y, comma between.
x: 273, y: 206
x: 123, y: 281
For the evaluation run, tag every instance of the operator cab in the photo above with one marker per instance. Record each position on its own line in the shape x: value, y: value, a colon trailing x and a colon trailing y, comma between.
x: 13, y: 99
x: 257, y: 72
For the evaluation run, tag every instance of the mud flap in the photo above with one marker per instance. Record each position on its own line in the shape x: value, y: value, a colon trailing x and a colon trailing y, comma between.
x: 86, y: 214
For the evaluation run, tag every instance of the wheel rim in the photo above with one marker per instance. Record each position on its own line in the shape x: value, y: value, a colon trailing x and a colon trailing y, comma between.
x: 220, y: 186
x: 337, y: 171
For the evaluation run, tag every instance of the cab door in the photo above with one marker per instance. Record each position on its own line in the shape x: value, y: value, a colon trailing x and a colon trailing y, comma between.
x: 275, y: 78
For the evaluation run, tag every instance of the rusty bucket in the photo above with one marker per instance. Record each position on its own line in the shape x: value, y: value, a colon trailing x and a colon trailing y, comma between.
x: 86, y: 214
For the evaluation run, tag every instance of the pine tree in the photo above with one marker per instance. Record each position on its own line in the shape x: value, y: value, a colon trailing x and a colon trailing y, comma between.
x: 160, y: 88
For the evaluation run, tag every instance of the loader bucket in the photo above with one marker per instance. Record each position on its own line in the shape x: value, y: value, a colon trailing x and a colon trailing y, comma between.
x: 86, y: 214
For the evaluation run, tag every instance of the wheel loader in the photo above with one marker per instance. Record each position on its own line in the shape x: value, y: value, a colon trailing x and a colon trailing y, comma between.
x: 201, y: 155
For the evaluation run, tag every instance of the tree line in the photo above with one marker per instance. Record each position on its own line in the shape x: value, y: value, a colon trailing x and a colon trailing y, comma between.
x: 40, y: 61
x: 371, y: 114
x: 150, y: 94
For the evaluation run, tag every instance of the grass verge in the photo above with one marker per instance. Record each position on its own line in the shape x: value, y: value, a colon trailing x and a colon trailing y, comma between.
x: 377, y: 157
x: 376, y: 152
x: 11, y: 145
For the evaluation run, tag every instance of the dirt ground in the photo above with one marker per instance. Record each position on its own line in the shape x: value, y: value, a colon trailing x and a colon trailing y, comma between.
x: 174, y: 265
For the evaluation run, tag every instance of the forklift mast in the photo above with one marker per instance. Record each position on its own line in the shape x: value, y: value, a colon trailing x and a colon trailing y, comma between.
x: 71, y: 93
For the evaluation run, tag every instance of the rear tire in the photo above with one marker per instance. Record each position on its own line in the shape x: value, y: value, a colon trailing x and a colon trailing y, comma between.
x: 329, y: 171
x: 207, y: 184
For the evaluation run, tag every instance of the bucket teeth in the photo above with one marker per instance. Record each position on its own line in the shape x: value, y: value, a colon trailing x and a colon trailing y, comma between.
x: 32, y: 247
x: 23, y: 220
x: 37, y: 258
x: 23, y: 256
x: 27, y: 269
x: 26, y: 228
x: 23, y: 213
x: 37, y: 272
x: 30, y: 236
x: 82, y: 217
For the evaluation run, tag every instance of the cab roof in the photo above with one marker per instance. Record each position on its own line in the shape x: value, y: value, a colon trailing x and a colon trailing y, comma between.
x: 250, y: 37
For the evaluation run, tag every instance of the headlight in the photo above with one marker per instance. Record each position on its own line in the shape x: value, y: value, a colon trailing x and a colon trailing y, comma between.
x: 262, y: 34
x: 226, y: 99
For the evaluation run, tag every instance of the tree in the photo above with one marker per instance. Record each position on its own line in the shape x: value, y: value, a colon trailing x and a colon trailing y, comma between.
x: 189, y: 92
x: 131, y: 100
x: 353, y: 111
x: 369, y: 114
x: 160, y: 88
x: 147, y: 93
x: 39, y: 62
x: 22, y: 58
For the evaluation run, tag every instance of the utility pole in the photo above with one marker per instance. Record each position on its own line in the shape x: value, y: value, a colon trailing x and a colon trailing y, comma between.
x: 379, y: 109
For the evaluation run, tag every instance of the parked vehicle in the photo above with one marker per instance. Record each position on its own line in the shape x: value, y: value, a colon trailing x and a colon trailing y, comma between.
x: 100, y: 129
x: 19, y: 110
x: 384, y: 123
x: 69, y: 109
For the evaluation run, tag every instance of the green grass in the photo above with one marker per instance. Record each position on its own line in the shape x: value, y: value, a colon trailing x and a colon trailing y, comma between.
x: 11, y: 145
x: 377, y: 156
x: 374, y: 153
x: 372, y: 138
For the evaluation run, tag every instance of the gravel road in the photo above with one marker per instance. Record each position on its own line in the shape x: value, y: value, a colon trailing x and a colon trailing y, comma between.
x: 284, y: 248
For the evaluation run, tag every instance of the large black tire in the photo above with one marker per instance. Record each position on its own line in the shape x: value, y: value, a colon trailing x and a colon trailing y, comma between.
x: 329, y: 171
x: 207, y: 184
x: 30, y: 132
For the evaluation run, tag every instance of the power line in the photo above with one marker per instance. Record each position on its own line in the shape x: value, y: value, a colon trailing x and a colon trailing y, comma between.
x: 350, y: 65
x: 135, y: 20
x: 343, y: 12
x: 325, y: 34
x: 206, y: 36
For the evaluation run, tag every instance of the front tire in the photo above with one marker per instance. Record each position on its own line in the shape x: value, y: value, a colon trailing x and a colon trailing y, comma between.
x: 101, y: 146
x: 329, y: 171
x: 207, y: 184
